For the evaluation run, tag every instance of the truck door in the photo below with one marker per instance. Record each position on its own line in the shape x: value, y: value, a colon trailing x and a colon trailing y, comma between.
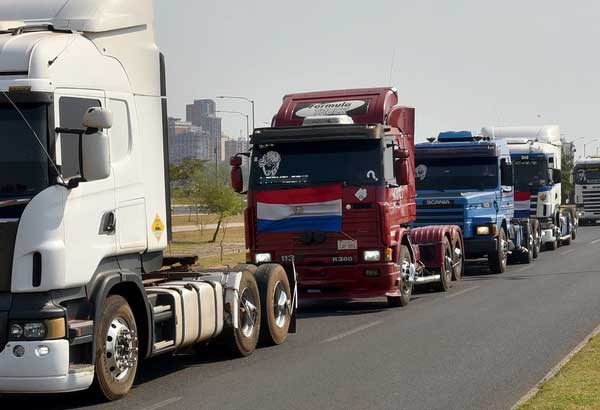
x: 131, y: 232
x: 89, y: 208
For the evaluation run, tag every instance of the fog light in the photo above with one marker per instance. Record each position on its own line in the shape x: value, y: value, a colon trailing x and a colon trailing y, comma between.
x: 483, y: 230
x: 36, y: 330
x: 372, y: 256
x: 42, y: 351
x: 19, y: 351
x: 372, y: 273
x: 15, y: 332
x: 263, y: 258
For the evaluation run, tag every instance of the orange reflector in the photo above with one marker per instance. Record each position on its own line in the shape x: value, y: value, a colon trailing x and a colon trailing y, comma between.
x: 388, y: 255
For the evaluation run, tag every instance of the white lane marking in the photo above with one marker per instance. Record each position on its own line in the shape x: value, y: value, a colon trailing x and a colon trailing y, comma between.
x: 595, y: 242
x: 163, y: 403
x: 523, y: 269
x: 462, y: 292
x: 568, y: 252
x: 353, y: 331
x: 556, y: 369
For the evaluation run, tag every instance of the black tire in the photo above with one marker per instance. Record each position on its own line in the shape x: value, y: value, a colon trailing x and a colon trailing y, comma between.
x: 241, y: 342
x: 117, y: 319
x: 459, y: 260
x: 445, y: 282
x: 245, y: 266
x: 276, y: 302
x: 567, y: 242
x: 499, y: 259
x: 552, y: 246
x: 527, y: 257
x: 406, y: 289
x: 535, y: 227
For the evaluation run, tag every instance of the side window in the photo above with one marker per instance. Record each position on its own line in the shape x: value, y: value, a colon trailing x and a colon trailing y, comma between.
x: 71, y: 112
x: 120, y: 133
x: 388, y: 163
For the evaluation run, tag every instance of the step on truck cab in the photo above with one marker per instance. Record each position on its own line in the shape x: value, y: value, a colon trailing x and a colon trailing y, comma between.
x: 84, y: 210
x: 586, y: 181
x: 467, y: 180
x: 331, y: 188
x: 536, y: 153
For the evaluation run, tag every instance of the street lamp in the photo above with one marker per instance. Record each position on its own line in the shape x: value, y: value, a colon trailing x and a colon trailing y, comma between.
x: 242, y: 114
x: 228, y: 97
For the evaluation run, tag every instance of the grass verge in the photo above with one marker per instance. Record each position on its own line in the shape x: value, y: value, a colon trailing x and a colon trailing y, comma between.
x: 575, y: 386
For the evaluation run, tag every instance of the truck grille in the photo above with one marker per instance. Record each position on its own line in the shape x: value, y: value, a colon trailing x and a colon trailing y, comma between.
x: 8, y: 236
x: 432, y: 215
x: 591, y: 202
x: 534, y: 203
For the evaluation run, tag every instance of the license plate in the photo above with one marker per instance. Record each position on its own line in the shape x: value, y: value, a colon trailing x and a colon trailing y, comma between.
x: 347, y: 245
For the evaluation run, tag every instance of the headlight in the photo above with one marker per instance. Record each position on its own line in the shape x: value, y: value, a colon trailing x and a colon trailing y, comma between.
x: 263, y: 257
x: 485, y: 205
x: 483, y: 230
x: 51, y: 329
x: 372, y: 256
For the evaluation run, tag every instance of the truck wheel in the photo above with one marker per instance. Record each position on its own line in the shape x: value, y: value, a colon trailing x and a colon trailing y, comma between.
x: 446, y: 269
x: 245, y: 266
x: 458, y: 263
x: 527, y: 257
x: 276, y: 302
x: 499, y: 260
x: 552, y: 246
x: 117, y: 351
x: 406, y: 287
x: 535, y: 227
x: 241, y: 342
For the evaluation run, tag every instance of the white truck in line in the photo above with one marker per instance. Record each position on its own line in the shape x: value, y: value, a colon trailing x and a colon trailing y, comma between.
x: 586, y: 179
x: 536, y: 154
x: 84, y: 210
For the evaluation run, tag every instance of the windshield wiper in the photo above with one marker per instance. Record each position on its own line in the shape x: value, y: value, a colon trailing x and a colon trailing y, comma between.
x: 14, y: 202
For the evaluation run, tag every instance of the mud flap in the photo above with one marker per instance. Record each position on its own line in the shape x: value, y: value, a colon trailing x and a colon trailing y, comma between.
x: 290, y: 269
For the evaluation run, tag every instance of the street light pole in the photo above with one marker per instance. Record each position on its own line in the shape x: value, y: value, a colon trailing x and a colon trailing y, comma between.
x: 228, y: 97
x: 239, y: 113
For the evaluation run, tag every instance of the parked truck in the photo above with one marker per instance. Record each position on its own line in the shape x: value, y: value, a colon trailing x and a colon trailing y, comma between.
x: 467, y: 180
x: 331, y: 188
x: 586, y: 178
x: 536, y: 154
x: 84, y: 210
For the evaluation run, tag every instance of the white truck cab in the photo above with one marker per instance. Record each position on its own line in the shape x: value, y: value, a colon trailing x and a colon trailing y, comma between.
x: 84, y: 209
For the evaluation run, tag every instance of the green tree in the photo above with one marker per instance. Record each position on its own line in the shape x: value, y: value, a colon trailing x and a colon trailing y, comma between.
x: 221, y: 200
x: 567, y: 164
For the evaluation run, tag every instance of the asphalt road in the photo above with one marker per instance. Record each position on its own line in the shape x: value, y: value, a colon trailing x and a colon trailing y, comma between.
x: 480, y: 346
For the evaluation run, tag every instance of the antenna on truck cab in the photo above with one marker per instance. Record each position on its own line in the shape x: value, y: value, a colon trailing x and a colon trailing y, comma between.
x: 37, y: 138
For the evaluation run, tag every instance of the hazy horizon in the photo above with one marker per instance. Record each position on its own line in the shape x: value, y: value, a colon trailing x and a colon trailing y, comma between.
x: 462, y: 65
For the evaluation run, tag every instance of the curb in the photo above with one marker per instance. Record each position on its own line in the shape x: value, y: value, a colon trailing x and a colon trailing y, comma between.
x: 556, y: 369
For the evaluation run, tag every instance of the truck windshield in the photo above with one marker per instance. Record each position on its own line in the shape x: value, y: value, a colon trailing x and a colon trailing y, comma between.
x: 317, y: 163
x: 587, y: 175
x: 457, y: 174
x: 23, y: 165
x: 530, y: 173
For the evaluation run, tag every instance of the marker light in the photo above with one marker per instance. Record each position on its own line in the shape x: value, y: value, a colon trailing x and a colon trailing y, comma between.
x: 16, y: 331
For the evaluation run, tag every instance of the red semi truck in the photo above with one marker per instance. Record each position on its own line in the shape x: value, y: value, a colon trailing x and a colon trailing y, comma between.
x: 331, y: 188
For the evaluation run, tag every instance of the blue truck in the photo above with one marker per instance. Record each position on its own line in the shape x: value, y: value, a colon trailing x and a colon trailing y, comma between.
x: 467, y: 180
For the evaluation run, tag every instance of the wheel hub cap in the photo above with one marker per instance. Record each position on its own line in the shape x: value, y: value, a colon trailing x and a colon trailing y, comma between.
x: 248, y: 313
x: 121, y: 348
x: 281, y: 305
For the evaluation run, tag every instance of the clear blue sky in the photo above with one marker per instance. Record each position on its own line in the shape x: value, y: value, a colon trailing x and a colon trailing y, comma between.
x: 462, y: 63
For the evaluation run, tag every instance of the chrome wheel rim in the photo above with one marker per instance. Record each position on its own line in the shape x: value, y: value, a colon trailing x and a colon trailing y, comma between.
x: 458, y: 265
x: 121, y: 349
x: 281, y: 305
x: 448, y: 265
x: 248, y: 313
x: 406, y: 282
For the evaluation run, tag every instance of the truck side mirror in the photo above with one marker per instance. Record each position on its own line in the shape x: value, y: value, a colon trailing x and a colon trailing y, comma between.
x: 556, y: 176
x: 237, y: 174
x: 506, y: 174
x: 95, y: 156
x: 402, y: 170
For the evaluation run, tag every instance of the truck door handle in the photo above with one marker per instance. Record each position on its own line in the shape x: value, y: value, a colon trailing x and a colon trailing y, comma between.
x: 108, y: 225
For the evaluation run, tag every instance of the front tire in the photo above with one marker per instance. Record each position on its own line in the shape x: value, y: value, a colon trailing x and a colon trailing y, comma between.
x: 459, y: 260
x: 117, y: 352
x: 406, y: 288
x: 276, y: 302
x: 446, y: 269
x: 499, y: 259
x: 535, y: 226
x: 241, y: 342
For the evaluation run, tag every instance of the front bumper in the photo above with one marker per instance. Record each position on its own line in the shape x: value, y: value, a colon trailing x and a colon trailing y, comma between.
x: 478, y: 247
x: 33, y: 373
x: 348, y: 281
